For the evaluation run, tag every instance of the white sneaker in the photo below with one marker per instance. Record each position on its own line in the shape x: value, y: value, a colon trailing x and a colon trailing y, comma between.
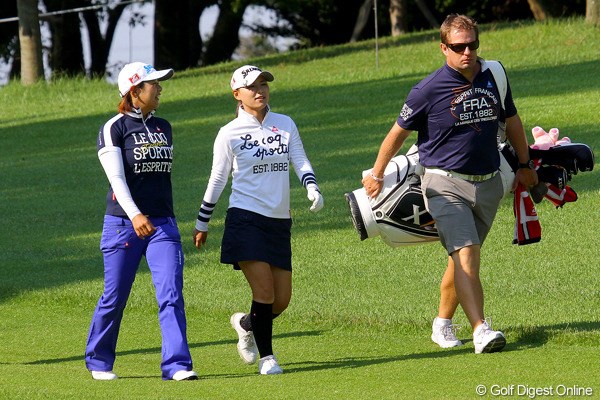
x: 246, y: 345
x: 487, y: 340
x: 443, y: 333
x: 184, y: 375
x: 104, y: 375
x: 269, y: 366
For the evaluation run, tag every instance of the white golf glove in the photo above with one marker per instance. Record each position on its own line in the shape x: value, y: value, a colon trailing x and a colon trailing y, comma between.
x: 315, y: 196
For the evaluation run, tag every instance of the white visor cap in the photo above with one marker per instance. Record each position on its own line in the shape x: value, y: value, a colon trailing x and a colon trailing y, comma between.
x: 137, y: 72
x: 246, y: 75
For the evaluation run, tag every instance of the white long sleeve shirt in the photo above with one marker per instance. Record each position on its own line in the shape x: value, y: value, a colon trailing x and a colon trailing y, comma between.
x: 257, y: 156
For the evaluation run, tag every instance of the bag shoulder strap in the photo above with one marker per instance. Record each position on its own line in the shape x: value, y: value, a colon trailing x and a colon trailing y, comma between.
x: 500, y: 77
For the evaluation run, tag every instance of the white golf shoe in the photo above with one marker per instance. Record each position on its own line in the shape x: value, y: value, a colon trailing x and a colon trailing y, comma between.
x: 104, y: 375
x: 183, y: 375
x: 269, y: 366
x: 246, y: 345
x: 443, y: 333
x: 487, y: 340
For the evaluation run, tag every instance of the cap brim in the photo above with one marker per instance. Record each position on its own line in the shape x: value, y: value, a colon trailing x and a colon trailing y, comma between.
x: 161, y: 75
x: 247, y: 82
x: 267, y: 75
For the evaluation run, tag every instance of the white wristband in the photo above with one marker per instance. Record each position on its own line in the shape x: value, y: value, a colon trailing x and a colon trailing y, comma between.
x: 375, y: 178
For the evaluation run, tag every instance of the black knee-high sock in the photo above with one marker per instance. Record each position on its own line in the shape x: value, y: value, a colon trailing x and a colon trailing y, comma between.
x: 247, y: 324
x: 261, y: 317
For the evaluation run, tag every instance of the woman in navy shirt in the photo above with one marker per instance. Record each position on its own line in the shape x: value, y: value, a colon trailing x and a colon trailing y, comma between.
x: 135, y: 149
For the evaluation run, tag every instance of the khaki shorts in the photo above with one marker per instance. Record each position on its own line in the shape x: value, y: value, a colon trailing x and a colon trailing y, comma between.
x: 463, y: 210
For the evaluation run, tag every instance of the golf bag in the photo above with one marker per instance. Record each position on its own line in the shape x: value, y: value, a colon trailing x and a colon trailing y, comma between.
x: 555, y: 167
x: 398, y: 213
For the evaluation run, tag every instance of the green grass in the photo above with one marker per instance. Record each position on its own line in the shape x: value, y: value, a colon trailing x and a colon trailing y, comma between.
x: 359, y: 322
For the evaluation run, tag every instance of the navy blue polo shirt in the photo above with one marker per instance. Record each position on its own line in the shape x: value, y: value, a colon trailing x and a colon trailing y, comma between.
x: 147, y: 151
x: 457, y: 121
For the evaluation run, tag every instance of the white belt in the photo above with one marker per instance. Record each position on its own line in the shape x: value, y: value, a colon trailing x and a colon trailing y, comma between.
x: 472, y: 178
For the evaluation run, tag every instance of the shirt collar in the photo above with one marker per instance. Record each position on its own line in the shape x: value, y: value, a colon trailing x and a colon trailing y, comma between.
x: 247, y: 116
x: 137, y: 113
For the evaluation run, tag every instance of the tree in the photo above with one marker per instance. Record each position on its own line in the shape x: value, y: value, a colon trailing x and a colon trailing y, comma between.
x: 317, y: 22
x: 66, y: 53
x: 592, y: 12
x: 255, y: 46
x: 9, y: 39
x: 361, y: 21
x: 32, y: 64
x: 100, y: 42
x: 177, y: 40
x: 427, y: 14
x: 225, y: 38
x: 538, y: 10
x: 398, y: 17
x: 544, y: 9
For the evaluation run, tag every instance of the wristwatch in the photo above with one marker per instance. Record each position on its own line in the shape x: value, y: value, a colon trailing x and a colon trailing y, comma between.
x: 529, y: 164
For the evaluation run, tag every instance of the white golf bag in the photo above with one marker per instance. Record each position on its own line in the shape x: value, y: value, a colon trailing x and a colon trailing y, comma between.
x: 398, y: 213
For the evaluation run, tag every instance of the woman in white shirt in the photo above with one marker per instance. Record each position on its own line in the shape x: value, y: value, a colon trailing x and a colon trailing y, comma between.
x: 256, y: 149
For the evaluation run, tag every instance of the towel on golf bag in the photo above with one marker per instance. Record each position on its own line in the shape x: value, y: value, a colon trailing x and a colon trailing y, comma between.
x: 527, y: 225
x: 558, y: 196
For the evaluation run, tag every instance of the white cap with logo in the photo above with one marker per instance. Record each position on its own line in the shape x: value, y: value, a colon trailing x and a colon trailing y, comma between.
x: 137, y: 72
x: 246, y: 75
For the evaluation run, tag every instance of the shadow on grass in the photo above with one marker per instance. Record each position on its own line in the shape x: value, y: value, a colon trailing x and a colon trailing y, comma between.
x: 360, y: 362
x: 527, y: 337
x: 537, y: 336
x: 152, y: 350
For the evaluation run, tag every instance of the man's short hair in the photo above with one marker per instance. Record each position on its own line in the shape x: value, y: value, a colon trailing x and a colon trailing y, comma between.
x: 459, y: 22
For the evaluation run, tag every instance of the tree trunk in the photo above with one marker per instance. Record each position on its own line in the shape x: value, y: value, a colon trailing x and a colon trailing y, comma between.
x: 66, y: 56
x: 177, y: 40
x: 361, y: 21
x: 538, y: 10
x: 544, y: 9
x: 427, y: 14
x: 398, y: 17
x: 592, y: 12
x: 32, y: 64
x: 99, y: 43
x: 225, y: 37
x: 9, y: 39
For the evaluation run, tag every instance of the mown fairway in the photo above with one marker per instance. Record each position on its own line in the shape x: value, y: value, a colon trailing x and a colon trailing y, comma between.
x: 359, y: 323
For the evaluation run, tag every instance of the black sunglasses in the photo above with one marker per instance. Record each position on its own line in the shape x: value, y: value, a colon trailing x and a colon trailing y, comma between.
x: 460, y: 47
